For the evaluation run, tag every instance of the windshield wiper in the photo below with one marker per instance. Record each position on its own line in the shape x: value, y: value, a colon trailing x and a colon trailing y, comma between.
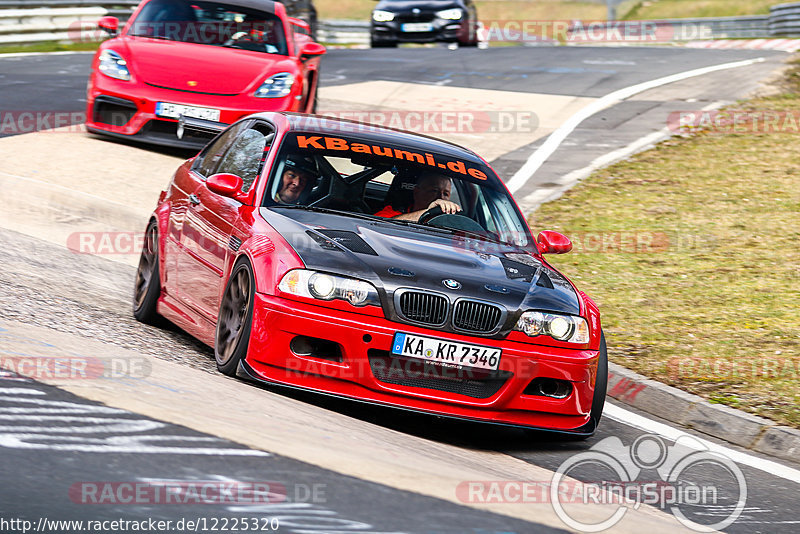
x: 158, y: 37
x: 319, y: 209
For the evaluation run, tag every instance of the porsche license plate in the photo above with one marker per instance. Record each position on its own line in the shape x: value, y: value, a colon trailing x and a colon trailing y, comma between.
x: 446, y: 352
x: 417, y: 27
x: 174, y: 111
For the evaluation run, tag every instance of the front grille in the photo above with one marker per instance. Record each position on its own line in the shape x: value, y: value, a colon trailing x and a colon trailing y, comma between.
x: 408, y: 372
x: 476, y: 316
x: 189, y: 91
x: 427, y: 308
x: 423, y: 16
x: 167, y: 129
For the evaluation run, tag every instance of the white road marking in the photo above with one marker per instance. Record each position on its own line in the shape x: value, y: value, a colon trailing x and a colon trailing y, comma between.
x: 37, y: 427
x: 28, y: 54
x: 642, y: 423
x: 20, y: 391
x: 566, y: 182
x: 555, y: 139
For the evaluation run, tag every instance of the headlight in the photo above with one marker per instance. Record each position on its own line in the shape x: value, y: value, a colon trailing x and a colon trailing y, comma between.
x: 382, y: 16
x: 561, y: 327
x: 450, y: 14
x: 322, y: 286
x: 276, y: 86
x: 113, y: 65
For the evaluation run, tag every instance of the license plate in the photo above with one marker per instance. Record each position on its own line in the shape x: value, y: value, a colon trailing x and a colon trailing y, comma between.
x: 417, y: 27
x: 174, y: 111
x: 446, y: 352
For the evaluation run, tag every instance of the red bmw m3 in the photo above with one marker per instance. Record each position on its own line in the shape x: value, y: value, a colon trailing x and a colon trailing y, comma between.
x: 217, y: 60
x: 376, y: 265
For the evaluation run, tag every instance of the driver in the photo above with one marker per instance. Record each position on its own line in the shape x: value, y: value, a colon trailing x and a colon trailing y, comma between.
x: 298, y: 172
x: 432, y: 189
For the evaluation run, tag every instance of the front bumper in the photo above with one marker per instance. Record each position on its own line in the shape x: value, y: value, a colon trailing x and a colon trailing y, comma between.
x: 366, y: 371
x: 128, y: 110
x: 443, y: 31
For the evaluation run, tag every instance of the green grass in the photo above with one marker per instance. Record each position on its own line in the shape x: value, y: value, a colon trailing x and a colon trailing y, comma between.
x: 487, y: 9
x: 675, y: 9
x: 48, y: 46
x: 709, y: 301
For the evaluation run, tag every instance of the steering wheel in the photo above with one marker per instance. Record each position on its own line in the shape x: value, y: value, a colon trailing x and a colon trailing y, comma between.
x: 452, y: 221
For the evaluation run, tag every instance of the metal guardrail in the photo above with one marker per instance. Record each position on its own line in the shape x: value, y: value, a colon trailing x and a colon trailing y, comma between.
x: 784, y: 20
x: 343, y: 31
x: 668, y: 30
x: 35, y: 25
x: 26, y: 21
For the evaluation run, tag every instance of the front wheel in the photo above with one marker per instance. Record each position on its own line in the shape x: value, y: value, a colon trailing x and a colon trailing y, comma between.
x: 147, y: 287
x: 235, y: 318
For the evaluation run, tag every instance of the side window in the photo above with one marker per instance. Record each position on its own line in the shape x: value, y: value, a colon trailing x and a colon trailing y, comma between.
x: 210, y: 157
x: 247, y: 155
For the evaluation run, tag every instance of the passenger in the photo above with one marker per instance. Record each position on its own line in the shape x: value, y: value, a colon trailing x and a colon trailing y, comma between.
x: 298, y: 172
x: 432, y: 189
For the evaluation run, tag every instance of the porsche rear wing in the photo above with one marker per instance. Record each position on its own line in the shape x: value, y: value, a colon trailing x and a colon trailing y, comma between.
x: 199, y: 125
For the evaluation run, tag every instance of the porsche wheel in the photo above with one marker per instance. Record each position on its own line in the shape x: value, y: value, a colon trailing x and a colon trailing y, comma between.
x: 235, y: 318
x: 147, y: 287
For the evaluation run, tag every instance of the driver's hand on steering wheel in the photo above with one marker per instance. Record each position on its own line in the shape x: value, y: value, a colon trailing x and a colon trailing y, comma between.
x: 448, y: 207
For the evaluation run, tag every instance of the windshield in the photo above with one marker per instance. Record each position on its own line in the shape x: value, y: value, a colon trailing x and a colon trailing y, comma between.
x: 211, y: 23
x: 366, y: 177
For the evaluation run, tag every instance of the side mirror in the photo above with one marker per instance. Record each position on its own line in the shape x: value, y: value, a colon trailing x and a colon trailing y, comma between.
x: 227, y: 185
x: 312, y: 49
x: 109, y: 24
x: 300, y: 26
x: 550, y: 242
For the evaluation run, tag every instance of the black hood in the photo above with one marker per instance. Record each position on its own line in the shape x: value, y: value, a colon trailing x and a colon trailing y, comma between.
x: 403, y: 6
x: 392, y: 256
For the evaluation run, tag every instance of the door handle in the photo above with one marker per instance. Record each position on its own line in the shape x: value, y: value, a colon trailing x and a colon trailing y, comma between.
x: 193, y: 200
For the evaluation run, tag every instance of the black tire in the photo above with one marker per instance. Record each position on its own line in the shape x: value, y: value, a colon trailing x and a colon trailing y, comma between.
x: 601, y: 385
x: 315, y: 97
x: 147, y: 287
x: 599, y: 397
x: 235, y: 318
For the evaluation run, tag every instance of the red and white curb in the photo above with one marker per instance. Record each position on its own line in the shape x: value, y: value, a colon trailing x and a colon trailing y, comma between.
x: 786, y: 45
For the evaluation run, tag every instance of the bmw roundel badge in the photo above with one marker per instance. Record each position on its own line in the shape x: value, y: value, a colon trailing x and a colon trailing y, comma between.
x: 451, y: 284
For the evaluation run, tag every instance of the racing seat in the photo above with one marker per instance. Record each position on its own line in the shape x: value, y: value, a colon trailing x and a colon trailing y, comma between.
x: 400, y: 195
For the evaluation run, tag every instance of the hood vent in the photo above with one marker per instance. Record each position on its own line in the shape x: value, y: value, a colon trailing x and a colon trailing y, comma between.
x: 327, y: 244
x: 349, y: 240
x: 518, y: 271
x: 544, y: 281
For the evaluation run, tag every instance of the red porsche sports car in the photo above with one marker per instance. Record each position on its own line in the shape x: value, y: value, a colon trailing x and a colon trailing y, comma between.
x: 217, y: 60
x: 372, y: 264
